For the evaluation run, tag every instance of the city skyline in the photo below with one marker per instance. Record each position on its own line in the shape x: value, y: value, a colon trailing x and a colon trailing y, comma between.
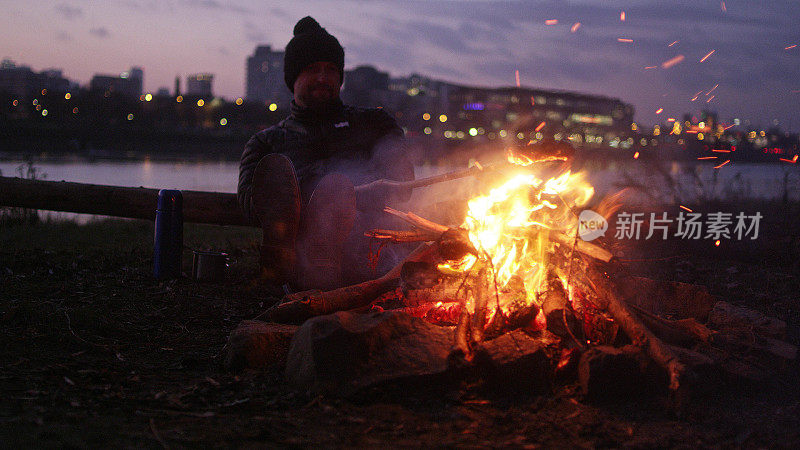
x: 615, y: 49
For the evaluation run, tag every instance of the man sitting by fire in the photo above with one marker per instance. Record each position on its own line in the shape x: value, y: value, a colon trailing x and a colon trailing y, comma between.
x: 297, y: 178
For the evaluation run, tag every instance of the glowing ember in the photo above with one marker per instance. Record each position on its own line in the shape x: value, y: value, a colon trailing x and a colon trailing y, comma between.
x: 636, y: 155
x: 671, y: 62
x: 726, y: 162
x: 622, y: 16
x: 659, y: 110
x: 723, y: 7
x: 707, y: 55
x: 551, y: 22
x: 540, y: 126
x: 712, y: 89
x: 516, y: 77
x: 512, y: 225
x: 710, y: 98
x: 650, y: 67
x: 624, y: 40
x: 685, y: 208
x: 717, y: 243
x: 575, y: 27
x: 720, y: 150
x: 707, y: 157
x: 673, y: 43
x: 790, y: 47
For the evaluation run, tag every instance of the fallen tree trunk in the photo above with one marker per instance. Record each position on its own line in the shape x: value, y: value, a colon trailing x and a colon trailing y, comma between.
x: 136, y: 203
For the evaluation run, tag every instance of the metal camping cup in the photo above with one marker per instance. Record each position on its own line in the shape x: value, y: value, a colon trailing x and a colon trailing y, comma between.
x: 168, y: 245
x: 209, y: 266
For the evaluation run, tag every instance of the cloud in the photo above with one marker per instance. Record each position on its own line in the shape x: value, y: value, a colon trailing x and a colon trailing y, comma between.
x: 100, y: 32
x: 68, y: 12
x: 214, y: 4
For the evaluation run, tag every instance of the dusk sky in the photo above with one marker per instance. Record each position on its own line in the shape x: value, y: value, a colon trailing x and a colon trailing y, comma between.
x: 468, y: 42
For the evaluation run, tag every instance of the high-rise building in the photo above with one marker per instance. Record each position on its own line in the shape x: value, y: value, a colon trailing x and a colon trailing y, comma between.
x: 264, y: 82
x: 128, y: 83
x: 365, y: 86
x: 22, y: 81
x: 200, y: 85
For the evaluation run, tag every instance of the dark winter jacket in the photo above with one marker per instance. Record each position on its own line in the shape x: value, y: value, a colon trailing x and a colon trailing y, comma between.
x: 364, y: 143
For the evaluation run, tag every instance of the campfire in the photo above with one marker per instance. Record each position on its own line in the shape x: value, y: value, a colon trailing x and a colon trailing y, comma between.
x: 518, y: 265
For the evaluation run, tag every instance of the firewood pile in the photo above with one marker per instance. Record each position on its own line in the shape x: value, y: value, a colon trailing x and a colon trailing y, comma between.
x: 552, y: 305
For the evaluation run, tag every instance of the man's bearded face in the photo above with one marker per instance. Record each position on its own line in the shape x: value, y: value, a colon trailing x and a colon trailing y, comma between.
x: 317, y: 85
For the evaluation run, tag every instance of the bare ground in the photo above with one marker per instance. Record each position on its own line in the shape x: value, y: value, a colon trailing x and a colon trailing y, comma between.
x: 99, y: 354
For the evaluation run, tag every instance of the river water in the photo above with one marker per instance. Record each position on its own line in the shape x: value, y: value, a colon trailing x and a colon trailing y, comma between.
x: 664, y: 182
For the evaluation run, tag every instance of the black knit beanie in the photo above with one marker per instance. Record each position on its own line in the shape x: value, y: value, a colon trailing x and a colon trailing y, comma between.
x: 310, y: 44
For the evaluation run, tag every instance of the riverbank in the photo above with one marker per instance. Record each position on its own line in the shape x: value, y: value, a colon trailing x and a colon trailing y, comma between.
x: 99, y: 354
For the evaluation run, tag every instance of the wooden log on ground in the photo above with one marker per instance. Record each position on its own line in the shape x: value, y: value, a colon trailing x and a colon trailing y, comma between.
x: 298, y: 307
x: 136, y: 203
x: 258, y: 345
x: 557, y: 311
x: 640, y: 335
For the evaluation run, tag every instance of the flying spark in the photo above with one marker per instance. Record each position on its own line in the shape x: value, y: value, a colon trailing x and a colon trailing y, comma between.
x: 671, y: 62
x: 636, y: 155
x: 673, y: 43
x: 717, y: 243
x: 710, y: 98
x: 712, y: 89
x: 624, y: 40
x: 575, y: 27
x: 478, y: 165
x: 516, y: 77
x: 551, y: 21
x: 659, y: 110
x: 720, y: 150
x: 722, y: 6
x: 793, y: 161
x: 650, y: 67
x: 790, y: 47
x: 539, y: 127
x: 687, y: 209
x: 622, y: 16
x: 707, y: 157
x: 726, y: 162
x: 707, y: 55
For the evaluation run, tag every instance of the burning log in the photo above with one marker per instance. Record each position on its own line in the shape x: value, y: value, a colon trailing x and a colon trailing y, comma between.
x: 301, y: 306
x: 558, y: 312
x: 640, y: 335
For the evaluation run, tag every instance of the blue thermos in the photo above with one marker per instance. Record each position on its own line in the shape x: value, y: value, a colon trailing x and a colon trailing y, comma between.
x: 168, y: 235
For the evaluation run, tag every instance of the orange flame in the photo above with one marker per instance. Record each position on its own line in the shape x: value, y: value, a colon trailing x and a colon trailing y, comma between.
x: 510, y: 227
